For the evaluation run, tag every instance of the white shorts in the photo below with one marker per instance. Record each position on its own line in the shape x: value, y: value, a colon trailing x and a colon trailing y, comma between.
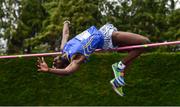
x: 107, y: 30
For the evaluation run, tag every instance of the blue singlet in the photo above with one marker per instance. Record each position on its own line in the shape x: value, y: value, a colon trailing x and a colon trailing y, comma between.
x: 85, y: 43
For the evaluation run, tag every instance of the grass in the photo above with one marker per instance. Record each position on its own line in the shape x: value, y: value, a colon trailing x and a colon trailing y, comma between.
x: 153, y: 79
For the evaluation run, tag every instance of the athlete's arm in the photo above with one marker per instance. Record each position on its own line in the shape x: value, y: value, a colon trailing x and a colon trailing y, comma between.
x: 65, y: 34
x: 72, y: 67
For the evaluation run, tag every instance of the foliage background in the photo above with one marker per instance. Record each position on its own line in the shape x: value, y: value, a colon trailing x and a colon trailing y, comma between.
x: 147, y: 84
x: 34, y: 26
x: 31, y: 26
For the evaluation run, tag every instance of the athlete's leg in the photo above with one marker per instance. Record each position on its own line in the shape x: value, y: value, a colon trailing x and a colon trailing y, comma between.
x: 65, y: 34
x: 124, y: 39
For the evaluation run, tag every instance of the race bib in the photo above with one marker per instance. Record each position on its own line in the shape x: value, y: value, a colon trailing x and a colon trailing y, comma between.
x: 84, y: 35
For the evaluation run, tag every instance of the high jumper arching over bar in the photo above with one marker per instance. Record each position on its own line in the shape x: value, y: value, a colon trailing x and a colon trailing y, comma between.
x: 97, y: 50
x: 77, y: 50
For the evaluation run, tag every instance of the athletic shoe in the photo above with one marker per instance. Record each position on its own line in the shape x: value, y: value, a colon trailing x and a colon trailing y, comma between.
x: 118, y: 69
x: 117, y: 88
x: 119, y: 81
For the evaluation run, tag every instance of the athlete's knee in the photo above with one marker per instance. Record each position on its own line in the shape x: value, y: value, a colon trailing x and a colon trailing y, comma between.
x: 115, y: 33
x: 146, y: 40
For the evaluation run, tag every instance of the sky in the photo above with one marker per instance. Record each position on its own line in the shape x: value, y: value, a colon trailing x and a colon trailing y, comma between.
x: 178, y: 5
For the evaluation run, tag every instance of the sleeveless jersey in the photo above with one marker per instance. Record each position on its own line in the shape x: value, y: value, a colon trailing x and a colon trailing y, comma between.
x: 85, y: 43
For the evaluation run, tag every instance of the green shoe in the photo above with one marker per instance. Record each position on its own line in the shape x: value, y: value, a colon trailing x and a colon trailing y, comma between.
x: 118, y: 70
x: 117, y: 89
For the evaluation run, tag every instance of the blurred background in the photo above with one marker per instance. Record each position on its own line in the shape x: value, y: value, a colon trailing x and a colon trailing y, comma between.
x: 31, y: 26
x: 35, y: 26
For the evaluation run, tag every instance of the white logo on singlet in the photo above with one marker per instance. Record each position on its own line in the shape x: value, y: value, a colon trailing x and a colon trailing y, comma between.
x: 84, y: 35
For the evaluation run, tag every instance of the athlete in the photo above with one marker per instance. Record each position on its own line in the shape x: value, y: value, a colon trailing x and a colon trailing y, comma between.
x: 77, y: 50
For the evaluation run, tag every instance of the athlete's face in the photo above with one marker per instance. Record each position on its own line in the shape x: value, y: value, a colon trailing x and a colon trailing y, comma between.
x: 59, y: 62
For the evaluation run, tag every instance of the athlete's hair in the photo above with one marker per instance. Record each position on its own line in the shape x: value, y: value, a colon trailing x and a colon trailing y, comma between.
x: 60, y: 62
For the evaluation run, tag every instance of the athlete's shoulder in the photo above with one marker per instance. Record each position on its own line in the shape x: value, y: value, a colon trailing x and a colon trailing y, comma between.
x: 93, y: 29
x: 78, y: 58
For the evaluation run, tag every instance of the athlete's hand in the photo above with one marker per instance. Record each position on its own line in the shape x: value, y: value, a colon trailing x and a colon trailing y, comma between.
x: 42, y: 66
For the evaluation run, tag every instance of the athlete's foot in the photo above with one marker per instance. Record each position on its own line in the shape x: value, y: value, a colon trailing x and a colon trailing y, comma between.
x: 117, y: 87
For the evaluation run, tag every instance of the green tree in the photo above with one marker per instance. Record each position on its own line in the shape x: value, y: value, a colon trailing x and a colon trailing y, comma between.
x: 8, y: 18
x: 29, y: 24
x: 81, y: 14
x: 146, y: 17
x: 173, y: 31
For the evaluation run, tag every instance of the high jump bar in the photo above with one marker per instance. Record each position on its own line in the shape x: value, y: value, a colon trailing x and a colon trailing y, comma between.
x: 97, y: 50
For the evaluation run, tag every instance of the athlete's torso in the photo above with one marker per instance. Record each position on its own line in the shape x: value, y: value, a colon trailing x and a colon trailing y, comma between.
x: 85, y: 43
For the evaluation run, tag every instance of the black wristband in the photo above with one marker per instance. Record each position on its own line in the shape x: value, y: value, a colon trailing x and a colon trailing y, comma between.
x: 66, y: 22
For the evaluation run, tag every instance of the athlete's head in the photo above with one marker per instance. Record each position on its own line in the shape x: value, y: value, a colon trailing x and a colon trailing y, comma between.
x: 60, y: 62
